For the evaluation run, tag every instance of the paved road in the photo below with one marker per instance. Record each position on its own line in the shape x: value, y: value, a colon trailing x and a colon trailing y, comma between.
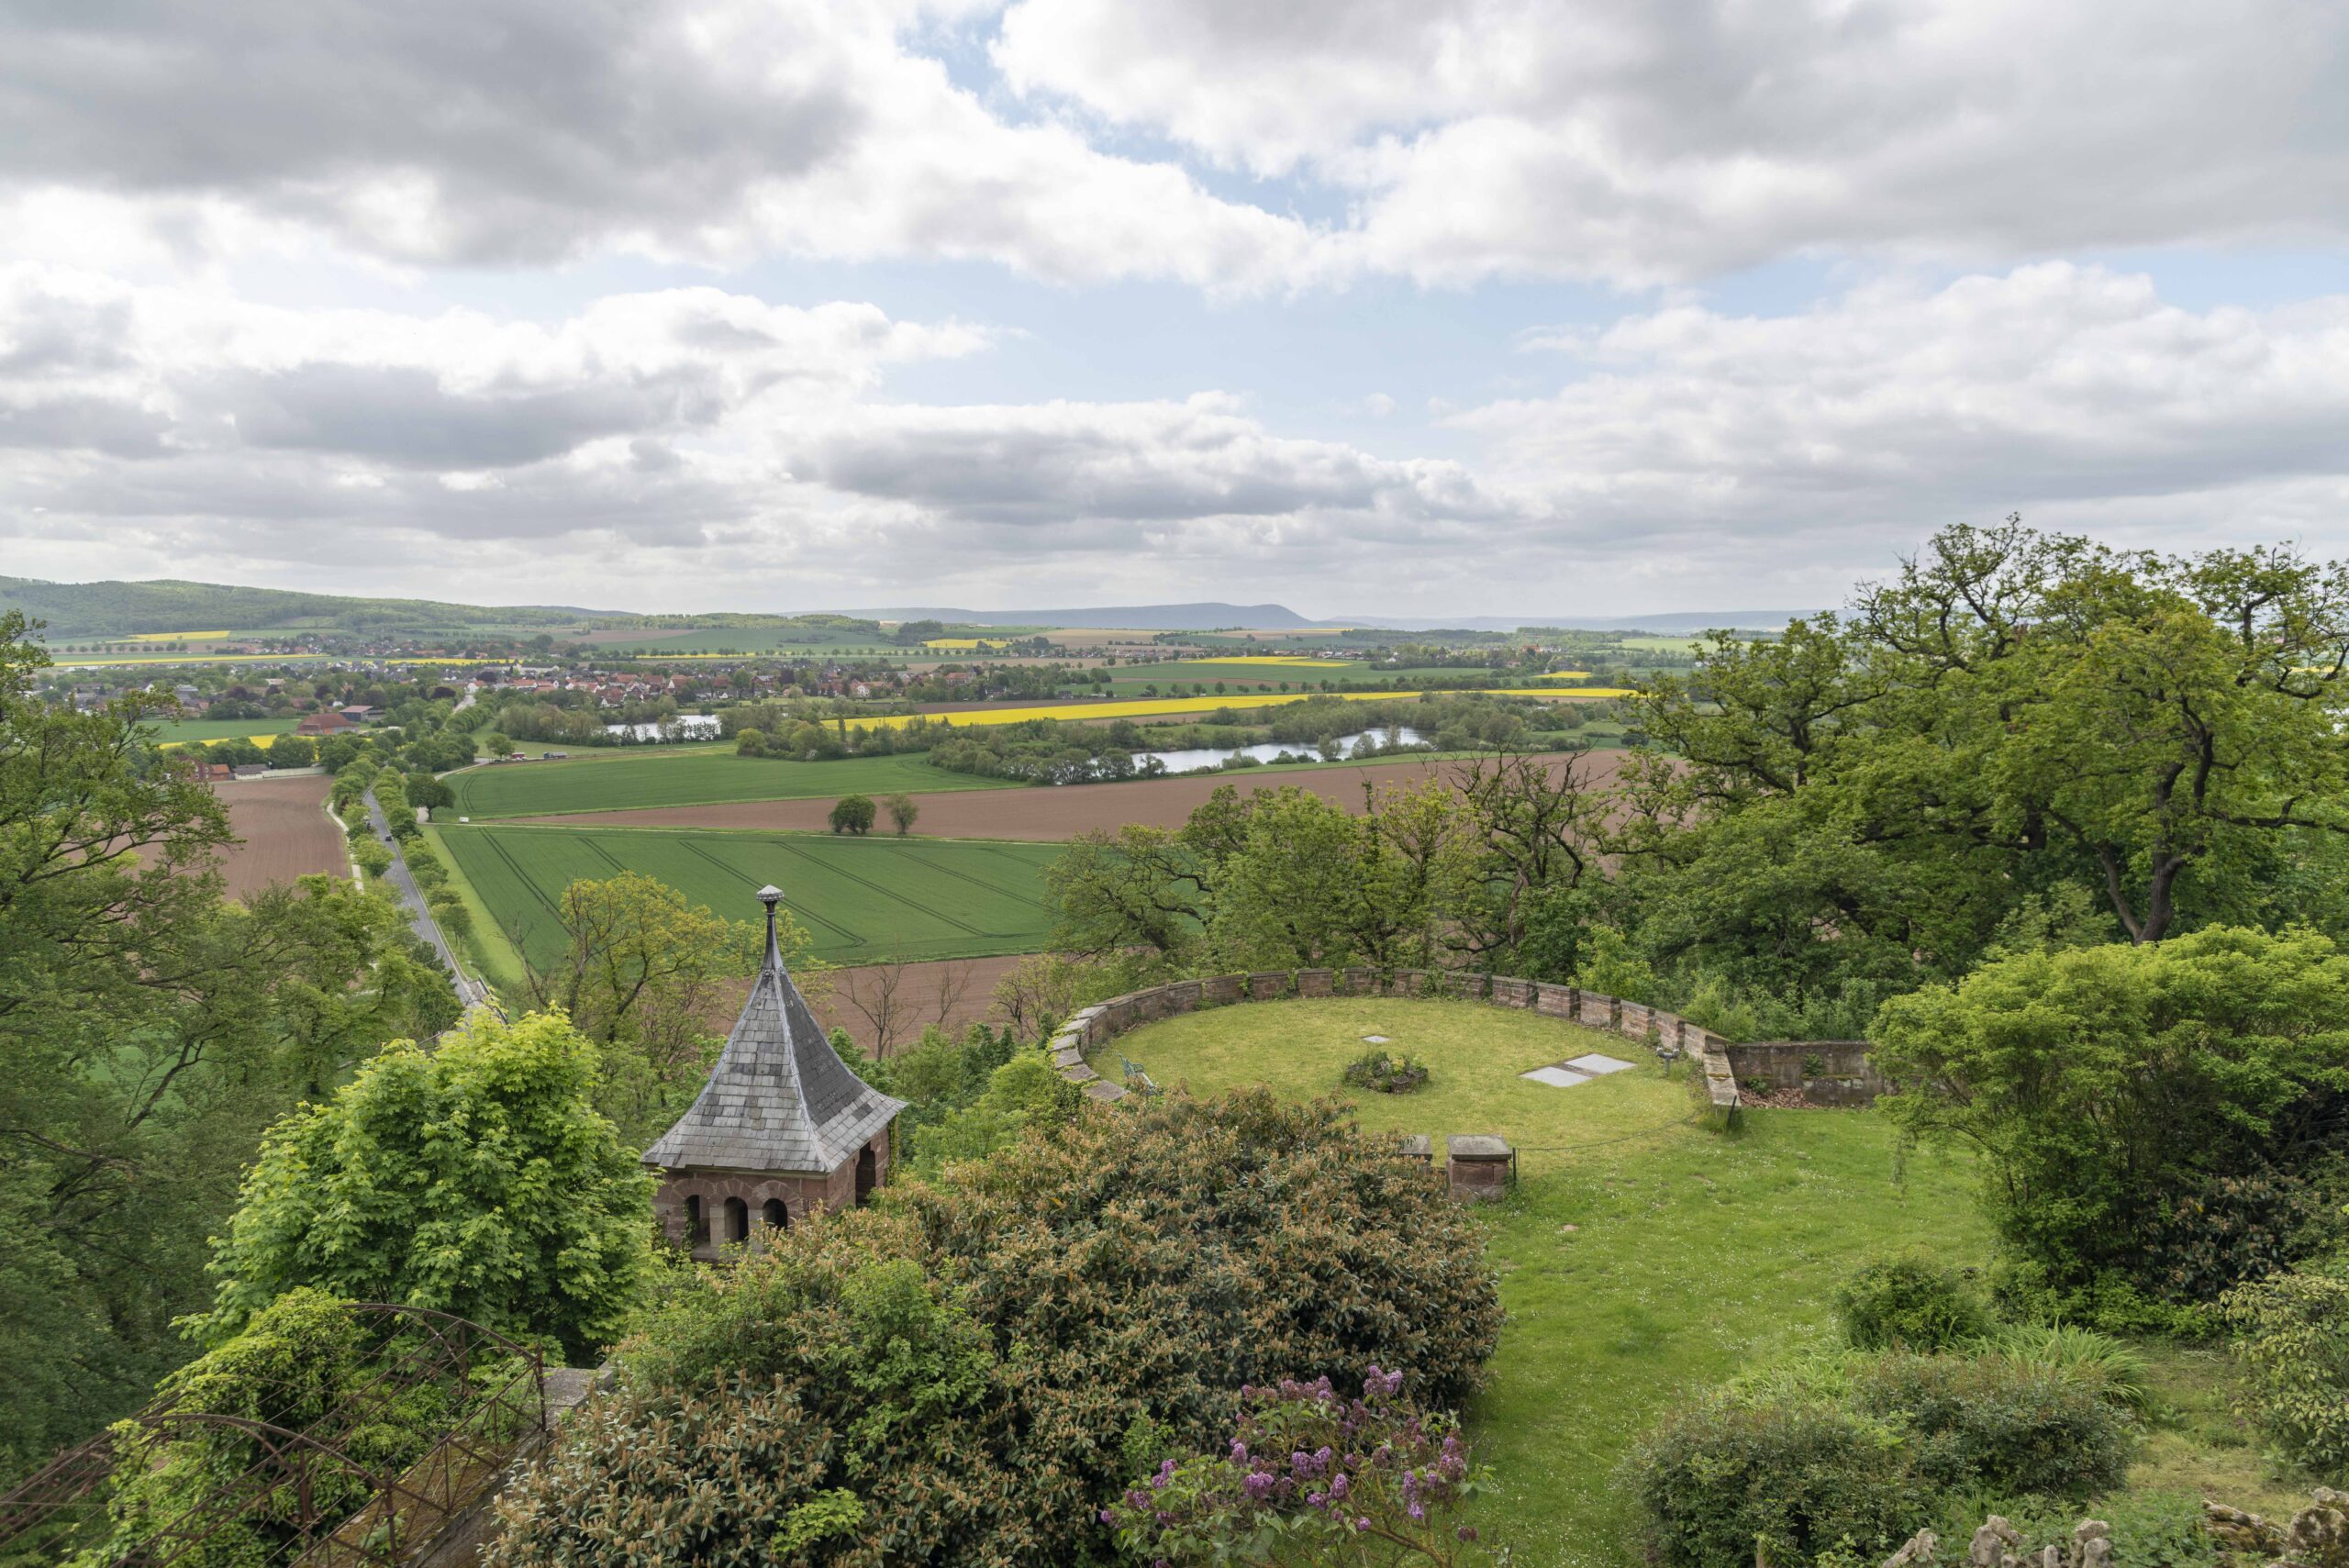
x: 403, y: 883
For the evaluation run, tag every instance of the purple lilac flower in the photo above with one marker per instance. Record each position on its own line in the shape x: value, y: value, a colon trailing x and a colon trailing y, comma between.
x: 1108, y: 1516
x: 1239, y: 1451
x: 1338, y: 1485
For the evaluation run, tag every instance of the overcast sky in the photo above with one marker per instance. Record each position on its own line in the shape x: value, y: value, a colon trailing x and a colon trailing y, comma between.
x: 1414, y: 306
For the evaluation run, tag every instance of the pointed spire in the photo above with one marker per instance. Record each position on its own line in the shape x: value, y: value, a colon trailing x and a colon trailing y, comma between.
x: 780, y: 1098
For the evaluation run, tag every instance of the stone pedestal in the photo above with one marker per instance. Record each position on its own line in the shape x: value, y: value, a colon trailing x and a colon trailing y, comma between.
x: 1479, y: 1167
x: 1418, y: 1146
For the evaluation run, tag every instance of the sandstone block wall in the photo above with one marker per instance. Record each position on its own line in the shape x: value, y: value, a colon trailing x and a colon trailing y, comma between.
x: 1827, y: 1071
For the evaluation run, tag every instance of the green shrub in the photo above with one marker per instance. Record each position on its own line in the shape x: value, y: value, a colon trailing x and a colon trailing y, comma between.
x: 1853, y: 1453
x: 1801, y: 1475
x: 2107, y: 1302
x: 1988, y: 1422
x: 1911, y: 1302
x: 2217, y: 1231
x: 964, y: 1361
x: 1025, y: 1093
x: 2118, y: 1374
x: 2128, y: 1100
x: 1386, y: 1074
x: 2292, y: 1334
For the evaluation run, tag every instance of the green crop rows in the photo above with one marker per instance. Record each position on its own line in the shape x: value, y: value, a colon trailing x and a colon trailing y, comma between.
x: 618, y: 782
x: 863, y: 900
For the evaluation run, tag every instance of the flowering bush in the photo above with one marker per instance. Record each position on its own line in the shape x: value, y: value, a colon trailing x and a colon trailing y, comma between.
x: 1311, y: 1477
x: 976, y: 1361
x: 1387, y: 1075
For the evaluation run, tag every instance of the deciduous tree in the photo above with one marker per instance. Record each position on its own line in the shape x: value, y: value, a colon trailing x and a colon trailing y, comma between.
x: 477, y: 1179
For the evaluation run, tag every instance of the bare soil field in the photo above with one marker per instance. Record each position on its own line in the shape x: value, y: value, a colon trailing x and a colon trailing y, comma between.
x: 951, y: 992
x: 285, y: 830
x: 1050, y: 814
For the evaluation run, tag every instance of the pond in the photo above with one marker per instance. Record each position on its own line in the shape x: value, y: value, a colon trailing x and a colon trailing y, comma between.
x: 1203, y: 759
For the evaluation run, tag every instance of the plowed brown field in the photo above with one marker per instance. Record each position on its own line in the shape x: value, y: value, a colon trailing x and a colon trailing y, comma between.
x: 1049, y: 814
x: 953, y: 993
x: 285, y: 830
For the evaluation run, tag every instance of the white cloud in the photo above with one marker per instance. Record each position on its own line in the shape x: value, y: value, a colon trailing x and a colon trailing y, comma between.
x: 531, y: 131
x: 1824, y: 440
x: 1643, y: 142
x: 702, y: 448
x: 192, y: 430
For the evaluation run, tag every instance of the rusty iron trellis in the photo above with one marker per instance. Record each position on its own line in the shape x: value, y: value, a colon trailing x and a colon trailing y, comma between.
x: 495, y: 1399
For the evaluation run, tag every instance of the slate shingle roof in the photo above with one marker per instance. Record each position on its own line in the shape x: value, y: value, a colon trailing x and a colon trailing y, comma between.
x: 780, y: 1098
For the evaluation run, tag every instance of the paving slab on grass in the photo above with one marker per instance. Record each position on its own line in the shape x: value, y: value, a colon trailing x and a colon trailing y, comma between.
x: 1581, y: 1070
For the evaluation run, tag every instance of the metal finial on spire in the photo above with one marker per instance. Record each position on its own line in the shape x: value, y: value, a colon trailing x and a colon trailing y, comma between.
x: 771, y: 895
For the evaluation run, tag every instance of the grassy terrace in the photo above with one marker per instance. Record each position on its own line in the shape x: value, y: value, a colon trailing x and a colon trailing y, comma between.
x: 1691, y: 1255
x: 625, y: 780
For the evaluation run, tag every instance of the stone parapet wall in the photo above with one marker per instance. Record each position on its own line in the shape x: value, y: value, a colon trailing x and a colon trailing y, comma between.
x: 1825, y: 1072
x: 1090, y: 1027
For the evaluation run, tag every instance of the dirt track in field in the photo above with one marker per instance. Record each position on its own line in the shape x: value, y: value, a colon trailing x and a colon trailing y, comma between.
x: 1042, y: 813
x: 285, y: 830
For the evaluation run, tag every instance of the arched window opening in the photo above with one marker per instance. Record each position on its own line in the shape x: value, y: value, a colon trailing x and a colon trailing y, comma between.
x: 737, y: 1220
x: 868, y: 1174
x: 696, y: 1228
x: 777, y: 1216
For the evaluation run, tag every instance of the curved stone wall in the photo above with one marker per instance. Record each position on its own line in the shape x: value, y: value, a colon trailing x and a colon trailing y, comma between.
x: 1105, y: 1021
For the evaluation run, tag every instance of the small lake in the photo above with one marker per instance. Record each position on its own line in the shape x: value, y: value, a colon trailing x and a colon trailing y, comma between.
x: 1204, y: 758
x: 684, y: 727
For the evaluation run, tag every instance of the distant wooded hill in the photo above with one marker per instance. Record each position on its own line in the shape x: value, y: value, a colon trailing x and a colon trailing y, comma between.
x: 1208, y: 617
x: 120, y: 609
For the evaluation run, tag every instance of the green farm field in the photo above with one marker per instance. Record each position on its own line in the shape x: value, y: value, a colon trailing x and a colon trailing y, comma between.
x: 711, y: 776
x: 220, y: 728
x: 863, y: 900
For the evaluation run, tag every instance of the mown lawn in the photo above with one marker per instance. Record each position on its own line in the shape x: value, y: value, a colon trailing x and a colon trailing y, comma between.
x: 863, y: 900
x: 619, y: 781
x: 1644, y: 1256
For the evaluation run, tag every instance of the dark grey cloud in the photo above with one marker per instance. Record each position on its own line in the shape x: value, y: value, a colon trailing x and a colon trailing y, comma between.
x: 538, y: 125
x: 1143, y: 463
x: 523, y: 132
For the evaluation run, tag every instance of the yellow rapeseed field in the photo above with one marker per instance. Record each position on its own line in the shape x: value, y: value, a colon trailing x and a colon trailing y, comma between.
x: 177, y: 637
x: 964, y: 643
x: 1140, y: 707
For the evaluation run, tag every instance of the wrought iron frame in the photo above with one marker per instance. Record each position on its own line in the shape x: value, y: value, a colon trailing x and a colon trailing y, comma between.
x: 401, y: 1512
